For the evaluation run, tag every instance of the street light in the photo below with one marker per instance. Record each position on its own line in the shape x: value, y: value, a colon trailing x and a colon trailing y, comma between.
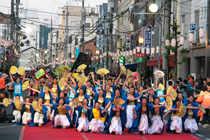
x: 97, y: 52
x: 141, y: 40
x: 46, y: 51
x: 37, y: 55
x: 56, y: 59
x: 73, y: 56
x: 43, y: 60
x: 28, y: 30
x: 153, y: 8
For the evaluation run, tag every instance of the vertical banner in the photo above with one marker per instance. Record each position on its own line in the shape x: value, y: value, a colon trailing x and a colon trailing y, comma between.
x: 77, y: 51
x: 148, y: 38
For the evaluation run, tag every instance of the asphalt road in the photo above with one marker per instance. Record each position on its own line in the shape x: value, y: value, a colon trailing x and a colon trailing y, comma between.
x: 8, y: 131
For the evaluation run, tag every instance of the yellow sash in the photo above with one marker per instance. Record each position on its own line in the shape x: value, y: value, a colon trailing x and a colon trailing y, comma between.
x: 111, y: 89
x: 88, y: 92
x: 178, y: 114
x: 96, y: 115
x: 108, y: 96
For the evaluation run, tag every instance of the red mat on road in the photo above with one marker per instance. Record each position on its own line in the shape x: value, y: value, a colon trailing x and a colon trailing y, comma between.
x: 47, y: 132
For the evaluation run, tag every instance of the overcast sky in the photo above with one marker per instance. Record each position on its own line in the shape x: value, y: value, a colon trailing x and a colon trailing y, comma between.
x: 51, y: 6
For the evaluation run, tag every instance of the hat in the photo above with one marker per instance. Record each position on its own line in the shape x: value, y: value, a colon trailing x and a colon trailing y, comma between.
x: 4, y: 75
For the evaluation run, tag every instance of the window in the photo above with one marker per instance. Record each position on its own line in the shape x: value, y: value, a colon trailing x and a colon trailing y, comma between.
x: 204, y: 15
x: 87, y: 25
x: 183, y: 25
x: 202, y: 12
x: 196, y: 17
x: 57, y: 34
x: 121, y: 18
x: 197, y: 25
x: 87, y: 51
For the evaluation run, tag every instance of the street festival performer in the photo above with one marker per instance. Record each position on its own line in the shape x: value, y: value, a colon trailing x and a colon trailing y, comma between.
x: 105, y: 105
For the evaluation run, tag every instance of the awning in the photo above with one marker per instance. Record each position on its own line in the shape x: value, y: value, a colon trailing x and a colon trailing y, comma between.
x: 154, y: 62
x: 131, y: 66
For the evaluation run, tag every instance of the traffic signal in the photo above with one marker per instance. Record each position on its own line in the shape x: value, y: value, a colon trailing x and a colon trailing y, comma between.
x: 76, y: 41
x: 23, y: 36
x: 70, y: 39
x: 21, y: 44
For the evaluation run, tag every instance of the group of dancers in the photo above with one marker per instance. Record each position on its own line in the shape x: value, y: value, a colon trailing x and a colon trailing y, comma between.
x: 106, y: 106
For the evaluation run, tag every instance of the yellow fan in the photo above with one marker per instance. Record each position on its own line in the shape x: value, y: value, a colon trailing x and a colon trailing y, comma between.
x: 123, y: 69
x: 161, y: 87
x: 13, y: 70
x: 21, y: 71
x: 6, y: 102
x: 79, y: 77
x: 81, y: 67
x: 62, y: 110
x: 102, y: 71
x: 80, y: 83
x: 75, y: 102
x: 35, y: 106
x: 202, y: 93
x: 202, y: 109
x: 169, y: 103
x: 183, y: 110
x: 75, y: 75
x: 25, y: 85
x: 83, y: 79
x: 18, y: 104
x: 61, y: 83
x: 173, y: 94
x: 118, y: 101
x: 140, y: 92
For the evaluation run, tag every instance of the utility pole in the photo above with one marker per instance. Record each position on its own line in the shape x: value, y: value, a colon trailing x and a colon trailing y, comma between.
x: 12, y: 27
x: 42, y: 43
x: 107, y: 48
x: 167, y: 11
x: 36, y: 47
x: 111, y: 38
x: 17, y: 34
x: 51, y: 39
x: 66, y: 32
x: 83, y: 25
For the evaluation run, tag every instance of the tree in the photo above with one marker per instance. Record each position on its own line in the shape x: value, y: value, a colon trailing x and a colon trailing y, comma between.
x: 175, y: 34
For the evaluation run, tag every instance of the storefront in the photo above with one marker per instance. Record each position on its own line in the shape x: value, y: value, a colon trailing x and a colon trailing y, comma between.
x: 153, y: 64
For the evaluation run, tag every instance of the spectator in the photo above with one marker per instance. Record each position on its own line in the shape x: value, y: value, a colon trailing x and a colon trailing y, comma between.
x: 180, y: 80
x: 189, y: 87
x: 205, y: 101
x: 198, y: 87
x: 191, y: 80
x: 200, y: 80
x: 2, y: 81
x: 207, y: 79
x: 204, y: 82
x: 181, y: 89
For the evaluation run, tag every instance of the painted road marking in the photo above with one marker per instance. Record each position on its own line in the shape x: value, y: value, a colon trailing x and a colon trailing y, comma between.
x: 84, y: 136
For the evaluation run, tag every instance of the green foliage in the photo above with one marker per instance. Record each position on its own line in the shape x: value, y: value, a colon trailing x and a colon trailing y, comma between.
x: 175, y: 34
x: 120, y: 49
